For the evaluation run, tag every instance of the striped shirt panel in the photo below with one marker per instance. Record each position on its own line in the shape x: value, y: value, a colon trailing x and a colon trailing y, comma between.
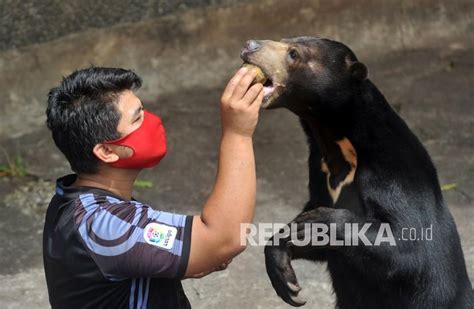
x: 123, y: 237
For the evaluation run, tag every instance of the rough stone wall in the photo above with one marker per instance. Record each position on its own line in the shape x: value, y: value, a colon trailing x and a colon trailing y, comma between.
x: 198, y: 47
x: 27, y: 22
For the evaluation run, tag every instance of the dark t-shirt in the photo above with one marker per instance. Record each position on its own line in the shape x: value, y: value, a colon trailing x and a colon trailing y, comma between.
x: 101, y: 251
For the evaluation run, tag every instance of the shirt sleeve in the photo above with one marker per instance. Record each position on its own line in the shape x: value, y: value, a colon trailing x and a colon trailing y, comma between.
x: 128, y: 239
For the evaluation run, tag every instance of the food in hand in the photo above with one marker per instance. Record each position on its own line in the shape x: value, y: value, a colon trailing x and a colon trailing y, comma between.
x: 260, y: 78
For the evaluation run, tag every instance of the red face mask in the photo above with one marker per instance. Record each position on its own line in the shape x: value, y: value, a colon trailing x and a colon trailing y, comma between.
x: 148, y: 143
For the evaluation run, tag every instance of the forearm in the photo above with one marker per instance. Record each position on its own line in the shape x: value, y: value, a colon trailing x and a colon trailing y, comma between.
x: 232, y: 200
x: 215, y: 236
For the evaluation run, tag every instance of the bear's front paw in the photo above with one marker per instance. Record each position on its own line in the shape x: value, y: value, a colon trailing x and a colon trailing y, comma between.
x: 282, y: 275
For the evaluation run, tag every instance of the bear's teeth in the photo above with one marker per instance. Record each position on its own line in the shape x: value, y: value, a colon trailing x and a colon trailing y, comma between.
x: 268, y: 90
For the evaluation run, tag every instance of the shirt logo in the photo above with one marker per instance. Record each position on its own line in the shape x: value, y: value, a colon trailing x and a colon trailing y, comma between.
x: 160, y: 235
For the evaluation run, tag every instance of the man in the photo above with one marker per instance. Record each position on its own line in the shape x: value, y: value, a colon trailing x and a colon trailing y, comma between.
x: 102, y: 248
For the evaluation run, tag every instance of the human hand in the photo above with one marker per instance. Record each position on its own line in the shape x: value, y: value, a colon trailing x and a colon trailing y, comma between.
x: 240, y: 104
x: 221, y: 267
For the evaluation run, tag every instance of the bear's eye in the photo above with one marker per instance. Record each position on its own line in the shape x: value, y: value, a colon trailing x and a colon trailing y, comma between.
x: 293, y: 54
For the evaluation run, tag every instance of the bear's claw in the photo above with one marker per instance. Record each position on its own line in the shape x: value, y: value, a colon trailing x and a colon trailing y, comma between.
x: 282, y: 275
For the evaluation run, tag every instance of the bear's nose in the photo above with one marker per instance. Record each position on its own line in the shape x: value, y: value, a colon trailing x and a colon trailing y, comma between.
x: 249, y: 47
x: 252, y: 45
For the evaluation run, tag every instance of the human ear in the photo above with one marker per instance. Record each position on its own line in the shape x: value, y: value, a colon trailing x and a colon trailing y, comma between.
x: 105, y: 153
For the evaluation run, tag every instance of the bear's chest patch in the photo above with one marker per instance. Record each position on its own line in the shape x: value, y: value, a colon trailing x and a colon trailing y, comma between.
x: 340, y: 166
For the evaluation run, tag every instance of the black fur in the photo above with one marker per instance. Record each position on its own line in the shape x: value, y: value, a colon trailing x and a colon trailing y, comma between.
x: 395, y: 182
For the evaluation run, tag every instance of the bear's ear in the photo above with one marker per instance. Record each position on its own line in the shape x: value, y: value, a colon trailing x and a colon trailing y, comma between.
x: 358, y: 70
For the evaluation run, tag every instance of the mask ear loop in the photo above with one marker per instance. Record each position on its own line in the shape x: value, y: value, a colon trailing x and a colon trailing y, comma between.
x: 117, y: 141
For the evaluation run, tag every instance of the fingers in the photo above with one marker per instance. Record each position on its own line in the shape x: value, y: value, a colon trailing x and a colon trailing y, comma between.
x: 224, y: 265
x: 244, y: 84
x: 237, y: 113
x: 252, y: 94
x: 235, y: 80
x: 257, y: 103
x: 221, y: 267
x: 238, y: 88
x: 200, y: 275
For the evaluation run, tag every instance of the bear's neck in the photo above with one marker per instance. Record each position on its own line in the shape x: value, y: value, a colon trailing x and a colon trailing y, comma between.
x: 364, y: 121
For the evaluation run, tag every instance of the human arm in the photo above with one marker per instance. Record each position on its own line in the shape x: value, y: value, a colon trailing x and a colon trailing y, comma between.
x: 215, y: 236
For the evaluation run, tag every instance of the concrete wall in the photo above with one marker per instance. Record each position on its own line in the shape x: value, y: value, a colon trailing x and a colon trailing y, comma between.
x: 27, y: 22
x: 192, y: 44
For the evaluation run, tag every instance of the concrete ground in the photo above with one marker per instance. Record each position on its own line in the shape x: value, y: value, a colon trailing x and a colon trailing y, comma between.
x: 432, y: 87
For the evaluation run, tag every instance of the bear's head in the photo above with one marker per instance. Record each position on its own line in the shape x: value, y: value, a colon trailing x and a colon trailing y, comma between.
x: 306, y: 73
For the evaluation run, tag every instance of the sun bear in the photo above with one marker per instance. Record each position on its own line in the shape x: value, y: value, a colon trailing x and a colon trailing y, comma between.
x: 366, y: 169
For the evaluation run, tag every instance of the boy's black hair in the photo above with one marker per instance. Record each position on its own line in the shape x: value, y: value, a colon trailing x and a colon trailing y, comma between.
x: 82, y: 112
